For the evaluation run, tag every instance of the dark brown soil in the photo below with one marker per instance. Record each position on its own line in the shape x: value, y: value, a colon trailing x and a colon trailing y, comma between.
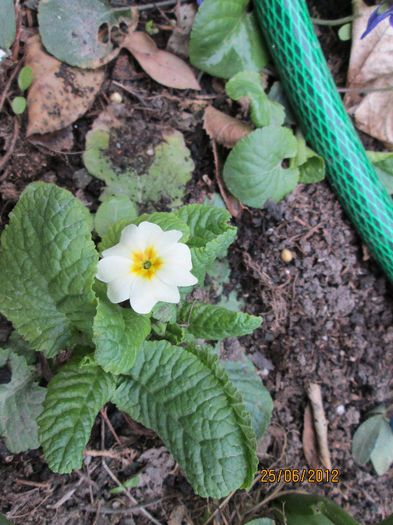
x: 327, y: 319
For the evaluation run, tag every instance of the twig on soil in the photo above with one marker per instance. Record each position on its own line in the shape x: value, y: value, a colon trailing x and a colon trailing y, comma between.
x: 163, y: 3
x: 11, y: 147
x: 106, y: 419
x: 221, y: 506
x: 234, y: 206
x: 113, y: 454
x: 131, y: 498
x: 7, y: 86
x: 32, y: 483
x: 320, y: 423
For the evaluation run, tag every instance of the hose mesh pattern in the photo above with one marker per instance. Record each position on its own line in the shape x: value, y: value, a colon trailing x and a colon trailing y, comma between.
x: 309, y: 86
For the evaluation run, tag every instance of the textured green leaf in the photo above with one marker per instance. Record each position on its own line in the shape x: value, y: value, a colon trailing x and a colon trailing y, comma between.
x: 214, y: 322
x: 47, y: 268
x: 261, y: 521
x: 112, y: 210
x: 4, y: 521
x: 253, y: 171
x: 305, y: 509
x: 75, y: 395
x: 154, y: 175
x: 7, y: 24
x: 210, y: 235
x: 164, y: 312
x: 311, y: 166
x: 365, y: 437
x: 66, y: 34
x: 118, y: 334
x: 382, y: 454
x: 225, y: 39
x: 383, y: 164
x: 264, y: 112
x: 20, y: 404
x: 256, y: 397
x: 187, y: 398
x: 25, y: 78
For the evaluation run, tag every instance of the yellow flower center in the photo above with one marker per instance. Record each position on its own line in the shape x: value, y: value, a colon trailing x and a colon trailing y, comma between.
x: 145, y: 264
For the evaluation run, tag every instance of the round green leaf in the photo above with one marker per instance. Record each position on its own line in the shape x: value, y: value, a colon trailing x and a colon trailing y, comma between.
x: 253, y: 171
x: 112, y: 210
x: 25, y: 78
x: 225, y: 39
x: 18, y: 105
x: 7, y: 24
x: 365, y: 437
x: 70, y: 30
x: 382, y: 454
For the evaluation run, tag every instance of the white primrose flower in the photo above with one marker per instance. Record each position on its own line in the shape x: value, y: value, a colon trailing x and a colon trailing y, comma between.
x: 146, y: 266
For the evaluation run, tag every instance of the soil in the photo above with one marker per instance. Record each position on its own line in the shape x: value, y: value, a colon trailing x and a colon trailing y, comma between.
x: 327, y: 320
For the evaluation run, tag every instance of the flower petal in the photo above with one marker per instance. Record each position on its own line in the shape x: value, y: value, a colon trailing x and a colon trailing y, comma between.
x: 119, y: 289
x: 142, y: 296
x: 110, y: 268
x: 176, y: 274
x: 119, y: 250
x: 167, y: 240
x: 177, y: 254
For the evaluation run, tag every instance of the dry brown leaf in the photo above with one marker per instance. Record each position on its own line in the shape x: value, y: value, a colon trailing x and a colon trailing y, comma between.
x: 179, y: 40
x: 224, y: 129
x: 371, y: 67
x: 163, y: 67
x: 60, y: 94
x: 61, y: 140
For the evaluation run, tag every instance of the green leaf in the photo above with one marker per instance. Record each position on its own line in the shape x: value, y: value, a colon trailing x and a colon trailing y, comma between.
x: 74, y: 397
x: 164, y: 312
x: 256, y: 397
x: 47, y: 268
x: 129, y: 484
x: 18, y: 105
x: 253, y: 171
x: 112, y: 210
x: 187, y: 398
x: 365, y: 437
x: 20, y: 404
x: 382, y: 454
x: 311, y: 166
x: 7, y: 24
x: 225, y: 39
x: 66, y: 34
x: 261, y: 521
x: 118, y: 334
x: 4, y: 521
x: 210, y: 235
x: 345, y: 32
x: 156, y: 175
x: 207, y: 321
x: 25, y: 78
x: 305, y: 509
x: 383, y: 164
x: 264, y: 112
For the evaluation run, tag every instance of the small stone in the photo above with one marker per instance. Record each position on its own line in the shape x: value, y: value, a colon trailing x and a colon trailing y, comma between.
x: 116, y: 98
x: 340, y: 410
x: 286, y: 255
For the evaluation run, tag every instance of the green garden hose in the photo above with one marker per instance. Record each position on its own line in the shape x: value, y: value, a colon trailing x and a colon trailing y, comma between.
x: 294, y: 47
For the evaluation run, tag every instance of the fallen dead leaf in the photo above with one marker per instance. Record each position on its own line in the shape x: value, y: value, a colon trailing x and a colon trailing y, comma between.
x: 60, y: 94
x: 371, y: 68
x: 163, y: 67
x: 179, y: 516
x: 222, y: 128
x: 61, y: 140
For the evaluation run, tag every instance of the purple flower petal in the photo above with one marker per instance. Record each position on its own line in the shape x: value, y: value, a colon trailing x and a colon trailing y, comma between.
x: 377, y: 17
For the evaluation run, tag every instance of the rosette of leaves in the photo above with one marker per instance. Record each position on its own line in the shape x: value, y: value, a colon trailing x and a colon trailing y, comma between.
x: 148, y: 365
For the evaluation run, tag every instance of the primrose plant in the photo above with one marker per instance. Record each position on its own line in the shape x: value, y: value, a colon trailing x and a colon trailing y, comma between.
x: 124, y: 329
